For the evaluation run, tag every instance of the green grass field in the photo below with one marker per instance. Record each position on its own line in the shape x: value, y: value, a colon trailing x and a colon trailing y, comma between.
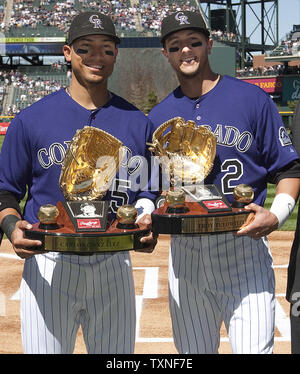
x: 290, y: 224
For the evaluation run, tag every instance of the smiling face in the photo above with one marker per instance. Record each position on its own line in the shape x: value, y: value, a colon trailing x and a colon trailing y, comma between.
x: 92, y: 58
x: 187, y: 51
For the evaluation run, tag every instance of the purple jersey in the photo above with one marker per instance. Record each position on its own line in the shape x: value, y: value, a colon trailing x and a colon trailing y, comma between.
x: 252, y: 141
x: 37, y: 139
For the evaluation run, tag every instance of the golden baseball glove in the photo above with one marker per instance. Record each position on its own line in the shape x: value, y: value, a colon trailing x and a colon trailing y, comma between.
x: 186, y: 151
x: 92, y: 160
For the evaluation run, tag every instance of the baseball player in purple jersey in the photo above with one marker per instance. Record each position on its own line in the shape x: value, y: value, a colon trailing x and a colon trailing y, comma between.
x: 226, y: 276
x: 293, y: 280
x: 60, y: 292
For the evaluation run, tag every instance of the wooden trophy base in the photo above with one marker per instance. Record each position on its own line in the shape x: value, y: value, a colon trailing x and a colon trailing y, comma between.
x: 211, y: 214
x: 66, y: 236
x: 198, y: 221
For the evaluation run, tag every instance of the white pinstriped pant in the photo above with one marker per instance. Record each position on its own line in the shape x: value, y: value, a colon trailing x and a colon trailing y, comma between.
x: 216, y: 278
x: 60, y: 292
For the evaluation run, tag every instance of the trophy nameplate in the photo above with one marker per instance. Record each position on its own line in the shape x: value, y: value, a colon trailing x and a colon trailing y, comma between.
x: 83, y: 223
x: 186, y: 153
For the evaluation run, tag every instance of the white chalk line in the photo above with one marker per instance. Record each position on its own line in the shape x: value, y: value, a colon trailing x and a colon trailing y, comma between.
x: 150, y: 291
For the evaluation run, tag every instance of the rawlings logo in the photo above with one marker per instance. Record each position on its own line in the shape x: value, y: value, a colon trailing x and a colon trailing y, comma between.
x: 182, y: 18
x: 96, y: 21
x: 215, y: 204
x: 88, y: 224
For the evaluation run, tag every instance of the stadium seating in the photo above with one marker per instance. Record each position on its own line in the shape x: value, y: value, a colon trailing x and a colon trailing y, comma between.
x: 31, y: 18
x: 30, y: 84
x: 51, y: 18
x: 288, y: 47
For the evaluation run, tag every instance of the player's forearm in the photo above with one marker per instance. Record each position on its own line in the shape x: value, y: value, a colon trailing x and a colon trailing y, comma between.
x: 289, y: 186
x: 8, y: 219
x: 287, y: 193
x: 8, y: 211
x: 8, y: 204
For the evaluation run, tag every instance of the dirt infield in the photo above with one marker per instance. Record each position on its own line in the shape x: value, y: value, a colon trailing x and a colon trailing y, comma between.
x: 154, y: 332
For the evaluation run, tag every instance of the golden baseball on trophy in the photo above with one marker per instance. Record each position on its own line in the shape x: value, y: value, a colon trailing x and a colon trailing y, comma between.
x: 243, y: 194
x: 127, y: 214
x: 48, y: 214
x: 175, y: 198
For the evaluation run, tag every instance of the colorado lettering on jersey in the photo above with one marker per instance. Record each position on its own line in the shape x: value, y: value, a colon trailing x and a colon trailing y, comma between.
x: 56, y: 153
x: 230, y: 136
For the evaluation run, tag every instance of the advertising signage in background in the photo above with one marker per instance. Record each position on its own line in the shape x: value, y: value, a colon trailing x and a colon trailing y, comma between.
x: 3, y: 127
x: 272, y: 85
x: 31, y: 45
x: 33, y: 48
x: 291, y: 88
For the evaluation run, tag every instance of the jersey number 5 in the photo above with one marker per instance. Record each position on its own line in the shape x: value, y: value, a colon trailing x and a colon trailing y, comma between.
x: 119, y: 194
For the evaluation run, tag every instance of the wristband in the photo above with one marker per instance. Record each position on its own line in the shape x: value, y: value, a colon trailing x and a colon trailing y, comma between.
x: 282, y: 206
x: 8, y: 200
x: 8, y: 224
x: 144, y: 206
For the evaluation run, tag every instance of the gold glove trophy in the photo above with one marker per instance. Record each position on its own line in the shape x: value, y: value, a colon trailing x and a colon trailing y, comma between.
x: 186, y: 154
x: 83, y: 223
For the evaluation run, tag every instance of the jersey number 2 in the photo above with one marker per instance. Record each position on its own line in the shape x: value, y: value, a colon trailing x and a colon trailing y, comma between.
x: 234, y: 171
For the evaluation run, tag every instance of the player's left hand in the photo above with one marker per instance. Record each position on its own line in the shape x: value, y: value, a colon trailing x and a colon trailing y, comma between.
x: 263, y: 223
x: 150, y: 240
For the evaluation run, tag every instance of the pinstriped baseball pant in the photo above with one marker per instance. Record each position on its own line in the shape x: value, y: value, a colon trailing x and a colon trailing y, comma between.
x: 60, y: 292
x: 216, y: 278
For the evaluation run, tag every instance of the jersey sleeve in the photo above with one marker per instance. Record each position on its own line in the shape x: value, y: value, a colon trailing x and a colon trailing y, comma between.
x: 15, y: 160
x: 273, y: 141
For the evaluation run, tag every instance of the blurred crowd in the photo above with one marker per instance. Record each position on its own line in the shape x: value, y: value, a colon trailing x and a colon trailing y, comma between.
x: 152, y: 12
x: 143, y: 16
x: 291, y: 46
x: 28, y: 89
x: 225, y: 36
x: 260, y: 71
x: 263, y: 71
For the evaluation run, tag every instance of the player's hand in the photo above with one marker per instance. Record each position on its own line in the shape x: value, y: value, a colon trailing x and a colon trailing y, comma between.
x: 263, y: 224
x: 20, y: 244
x: 150, y: 240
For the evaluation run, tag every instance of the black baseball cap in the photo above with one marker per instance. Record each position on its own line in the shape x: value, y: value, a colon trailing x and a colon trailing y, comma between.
x: 182, y: 20
x: 91, y: 23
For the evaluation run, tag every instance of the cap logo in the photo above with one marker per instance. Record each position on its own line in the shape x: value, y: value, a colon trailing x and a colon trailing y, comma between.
x: 96, y: 21
x: 182, y: 18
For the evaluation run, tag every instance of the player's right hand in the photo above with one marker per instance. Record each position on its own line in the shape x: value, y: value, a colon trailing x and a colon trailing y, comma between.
x: 21, y: 245
x: 262, y: 224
